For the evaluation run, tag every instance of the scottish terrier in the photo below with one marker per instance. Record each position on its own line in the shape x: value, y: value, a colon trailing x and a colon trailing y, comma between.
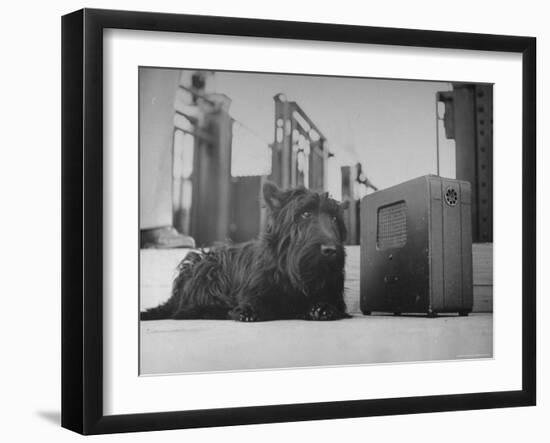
x: 294, y: 270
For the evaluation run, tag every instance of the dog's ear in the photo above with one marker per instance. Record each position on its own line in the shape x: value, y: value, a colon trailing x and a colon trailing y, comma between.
x: 344, y: 205
x: 273, y: 196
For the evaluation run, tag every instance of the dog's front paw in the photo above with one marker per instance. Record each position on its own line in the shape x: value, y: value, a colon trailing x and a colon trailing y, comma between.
x: 244, y: 313
x: 325, y: 311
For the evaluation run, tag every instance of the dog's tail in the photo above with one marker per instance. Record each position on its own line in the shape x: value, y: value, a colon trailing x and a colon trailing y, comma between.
x: 169, y: 309
x: 159, y: 313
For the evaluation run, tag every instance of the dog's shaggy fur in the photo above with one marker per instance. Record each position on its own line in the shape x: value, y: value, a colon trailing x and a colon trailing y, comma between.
x: 294, y: 270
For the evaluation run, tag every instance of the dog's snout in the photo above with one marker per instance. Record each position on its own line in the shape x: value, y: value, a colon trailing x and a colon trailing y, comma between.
x: 328, y: 250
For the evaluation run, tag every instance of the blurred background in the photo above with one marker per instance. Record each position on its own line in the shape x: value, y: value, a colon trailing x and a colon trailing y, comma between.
x: 209, y: 139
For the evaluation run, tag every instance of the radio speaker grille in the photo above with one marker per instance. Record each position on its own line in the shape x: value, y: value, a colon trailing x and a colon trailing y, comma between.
x: 392, y: 226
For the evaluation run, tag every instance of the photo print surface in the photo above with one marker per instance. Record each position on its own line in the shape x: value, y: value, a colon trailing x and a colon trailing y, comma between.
x: 294, y: 221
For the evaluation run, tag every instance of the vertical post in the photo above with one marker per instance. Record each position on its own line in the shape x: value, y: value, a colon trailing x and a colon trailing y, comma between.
x: 465, y: 138
x: 290, y: 173
x: 277, y: 151
x: 469, y: 121
x: 351, y: 216
x: 223, y: 194
x: 437, y: 133
x: 484, y: 151
x: 324, y: 151
x: 212, y: 175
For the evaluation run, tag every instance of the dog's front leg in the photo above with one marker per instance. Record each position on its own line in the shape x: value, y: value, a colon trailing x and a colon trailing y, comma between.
x: 245, y: 312
x: 320, y: 311
x: 255, y: 305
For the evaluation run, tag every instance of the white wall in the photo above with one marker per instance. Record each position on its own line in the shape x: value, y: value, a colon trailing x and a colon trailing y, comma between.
x: 157, y: 91
x: 30, y: 221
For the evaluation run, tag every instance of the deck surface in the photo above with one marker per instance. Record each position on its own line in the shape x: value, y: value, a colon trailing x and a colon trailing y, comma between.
x: 175, y: 346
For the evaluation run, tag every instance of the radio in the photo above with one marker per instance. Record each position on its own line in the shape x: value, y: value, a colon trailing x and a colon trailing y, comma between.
x: 416, y: 248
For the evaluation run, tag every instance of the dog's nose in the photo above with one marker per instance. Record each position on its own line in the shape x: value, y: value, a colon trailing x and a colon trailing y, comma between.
x: 328, y: 250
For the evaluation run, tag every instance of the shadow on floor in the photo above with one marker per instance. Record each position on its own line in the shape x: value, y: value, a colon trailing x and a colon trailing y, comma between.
x: 54, y: 417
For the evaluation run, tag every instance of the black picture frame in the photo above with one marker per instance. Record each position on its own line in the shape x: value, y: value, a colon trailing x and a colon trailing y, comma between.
x: 82, y: 220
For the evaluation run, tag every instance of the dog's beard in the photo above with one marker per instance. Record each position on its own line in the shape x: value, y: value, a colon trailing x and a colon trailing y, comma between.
x: 309, y: 271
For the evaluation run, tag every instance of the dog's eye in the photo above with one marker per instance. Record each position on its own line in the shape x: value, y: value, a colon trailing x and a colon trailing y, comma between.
x: 306, y: 214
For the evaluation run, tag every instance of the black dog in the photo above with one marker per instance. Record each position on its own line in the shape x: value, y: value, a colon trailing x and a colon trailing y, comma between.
x: 295, y: 270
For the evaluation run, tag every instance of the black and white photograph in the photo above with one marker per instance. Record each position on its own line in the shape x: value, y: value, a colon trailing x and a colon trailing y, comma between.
x: 295, y: 221
x: 244, y: 222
